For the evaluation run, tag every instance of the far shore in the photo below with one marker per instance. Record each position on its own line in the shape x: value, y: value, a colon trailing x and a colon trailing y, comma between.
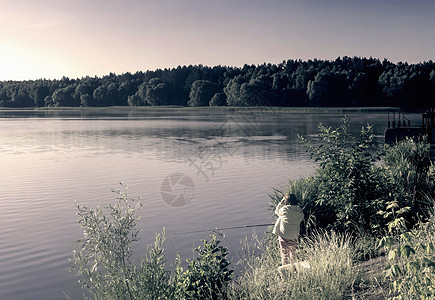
x: 215, y: 109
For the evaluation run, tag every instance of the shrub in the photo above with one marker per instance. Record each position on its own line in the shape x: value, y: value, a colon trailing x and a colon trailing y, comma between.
x: 359, y: 189
x: 107, y: 270
x: 411, y: 268
x: 104, y: 259
x: 206, y: 276
x: 347, y: 179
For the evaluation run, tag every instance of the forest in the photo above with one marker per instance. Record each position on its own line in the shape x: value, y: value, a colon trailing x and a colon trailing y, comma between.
x: 344, y: 82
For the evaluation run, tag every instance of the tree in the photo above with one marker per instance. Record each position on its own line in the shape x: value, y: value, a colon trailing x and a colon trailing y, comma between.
x: 158, y: 92
x: 219, y: 99
x: 202, y: 92
x: 359, y: 90
x: 64, y: 97
x: 135, y: 100
x: 39, y: 90
x: 85, y: 90
x: 256, y: 92
x: 392, y: 83
x: 125, y: 90
x: 329, y: 88
x: 232, y: 91
x: 106, y: 95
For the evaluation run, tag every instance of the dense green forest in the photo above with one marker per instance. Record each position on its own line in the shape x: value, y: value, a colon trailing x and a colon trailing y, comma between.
x: 343, y: 82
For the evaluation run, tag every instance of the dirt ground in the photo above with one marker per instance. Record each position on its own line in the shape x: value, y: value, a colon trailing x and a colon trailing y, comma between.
x: 371, y: 285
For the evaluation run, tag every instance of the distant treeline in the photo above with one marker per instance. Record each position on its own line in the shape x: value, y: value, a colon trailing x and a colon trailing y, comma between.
x: 344, y: 82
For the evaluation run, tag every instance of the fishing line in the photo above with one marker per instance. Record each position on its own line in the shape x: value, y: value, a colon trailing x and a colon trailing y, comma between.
x: 219, y: 229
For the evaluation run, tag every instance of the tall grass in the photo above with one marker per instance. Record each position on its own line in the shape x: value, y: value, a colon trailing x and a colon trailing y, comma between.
x: 330, y: 276
x: 411, y: 176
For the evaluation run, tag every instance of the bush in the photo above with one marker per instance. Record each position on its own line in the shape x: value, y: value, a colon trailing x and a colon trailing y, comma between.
x: 106, y: 269
x: 207, y: 276
x: 347, y: 179
x: 104, y: 259
x: 411, y: 269
x: 358, y: 189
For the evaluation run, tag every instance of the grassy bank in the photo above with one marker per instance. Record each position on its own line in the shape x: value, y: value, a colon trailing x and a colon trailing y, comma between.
x: 331, y: 274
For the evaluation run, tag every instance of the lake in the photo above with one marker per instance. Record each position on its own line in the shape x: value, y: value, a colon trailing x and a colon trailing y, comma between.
x: 193, y: 170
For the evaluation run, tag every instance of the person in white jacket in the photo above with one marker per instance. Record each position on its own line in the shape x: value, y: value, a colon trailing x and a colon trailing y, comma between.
x: 287, y: 227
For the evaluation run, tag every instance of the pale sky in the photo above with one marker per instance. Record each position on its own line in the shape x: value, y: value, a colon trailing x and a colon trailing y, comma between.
x: 76, y: 38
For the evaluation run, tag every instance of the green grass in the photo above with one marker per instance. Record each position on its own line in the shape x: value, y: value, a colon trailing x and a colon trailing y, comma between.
x: 330, y: 276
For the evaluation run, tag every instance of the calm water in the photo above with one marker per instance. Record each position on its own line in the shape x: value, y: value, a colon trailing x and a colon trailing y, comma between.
x: 49, y: 161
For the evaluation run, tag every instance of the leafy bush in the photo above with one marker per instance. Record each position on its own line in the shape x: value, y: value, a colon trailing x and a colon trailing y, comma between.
x: 208, y: 274
x: 359, y: 189
x: 411, y: 268
x: 104, y: 260
x: 347, y: 179
x: 107, y: 270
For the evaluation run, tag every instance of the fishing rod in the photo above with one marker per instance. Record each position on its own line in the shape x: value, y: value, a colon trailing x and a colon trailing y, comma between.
x: 219, y: 229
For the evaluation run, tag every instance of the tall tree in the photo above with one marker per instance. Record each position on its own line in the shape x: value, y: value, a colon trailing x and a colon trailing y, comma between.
x: 202, y: 92
x: 158, y: 92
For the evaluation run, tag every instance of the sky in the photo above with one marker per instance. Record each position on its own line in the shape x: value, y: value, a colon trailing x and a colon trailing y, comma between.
x: 77, y: 38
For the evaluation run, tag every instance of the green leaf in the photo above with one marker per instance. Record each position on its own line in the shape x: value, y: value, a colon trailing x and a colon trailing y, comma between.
x: 413, y: 266
x: 392, y: 254
x: 392, y: 205
x: 406, y: 250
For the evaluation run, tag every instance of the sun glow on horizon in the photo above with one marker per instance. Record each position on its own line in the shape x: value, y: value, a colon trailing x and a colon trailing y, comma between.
x: 51, y: 39
x: 19, y: 63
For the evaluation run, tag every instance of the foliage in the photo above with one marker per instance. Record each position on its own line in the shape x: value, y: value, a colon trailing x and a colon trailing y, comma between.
x: 359, y: 189
x: 104, y: 260
x: 208, y: 274
x: 106, y: 268
x: 158, y: 92
x: 347, y: 179
x: 411, y: 178
x: 345, y: 81
x: 219, y: 99
x: 202, y: 92
x: 411, y: 268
